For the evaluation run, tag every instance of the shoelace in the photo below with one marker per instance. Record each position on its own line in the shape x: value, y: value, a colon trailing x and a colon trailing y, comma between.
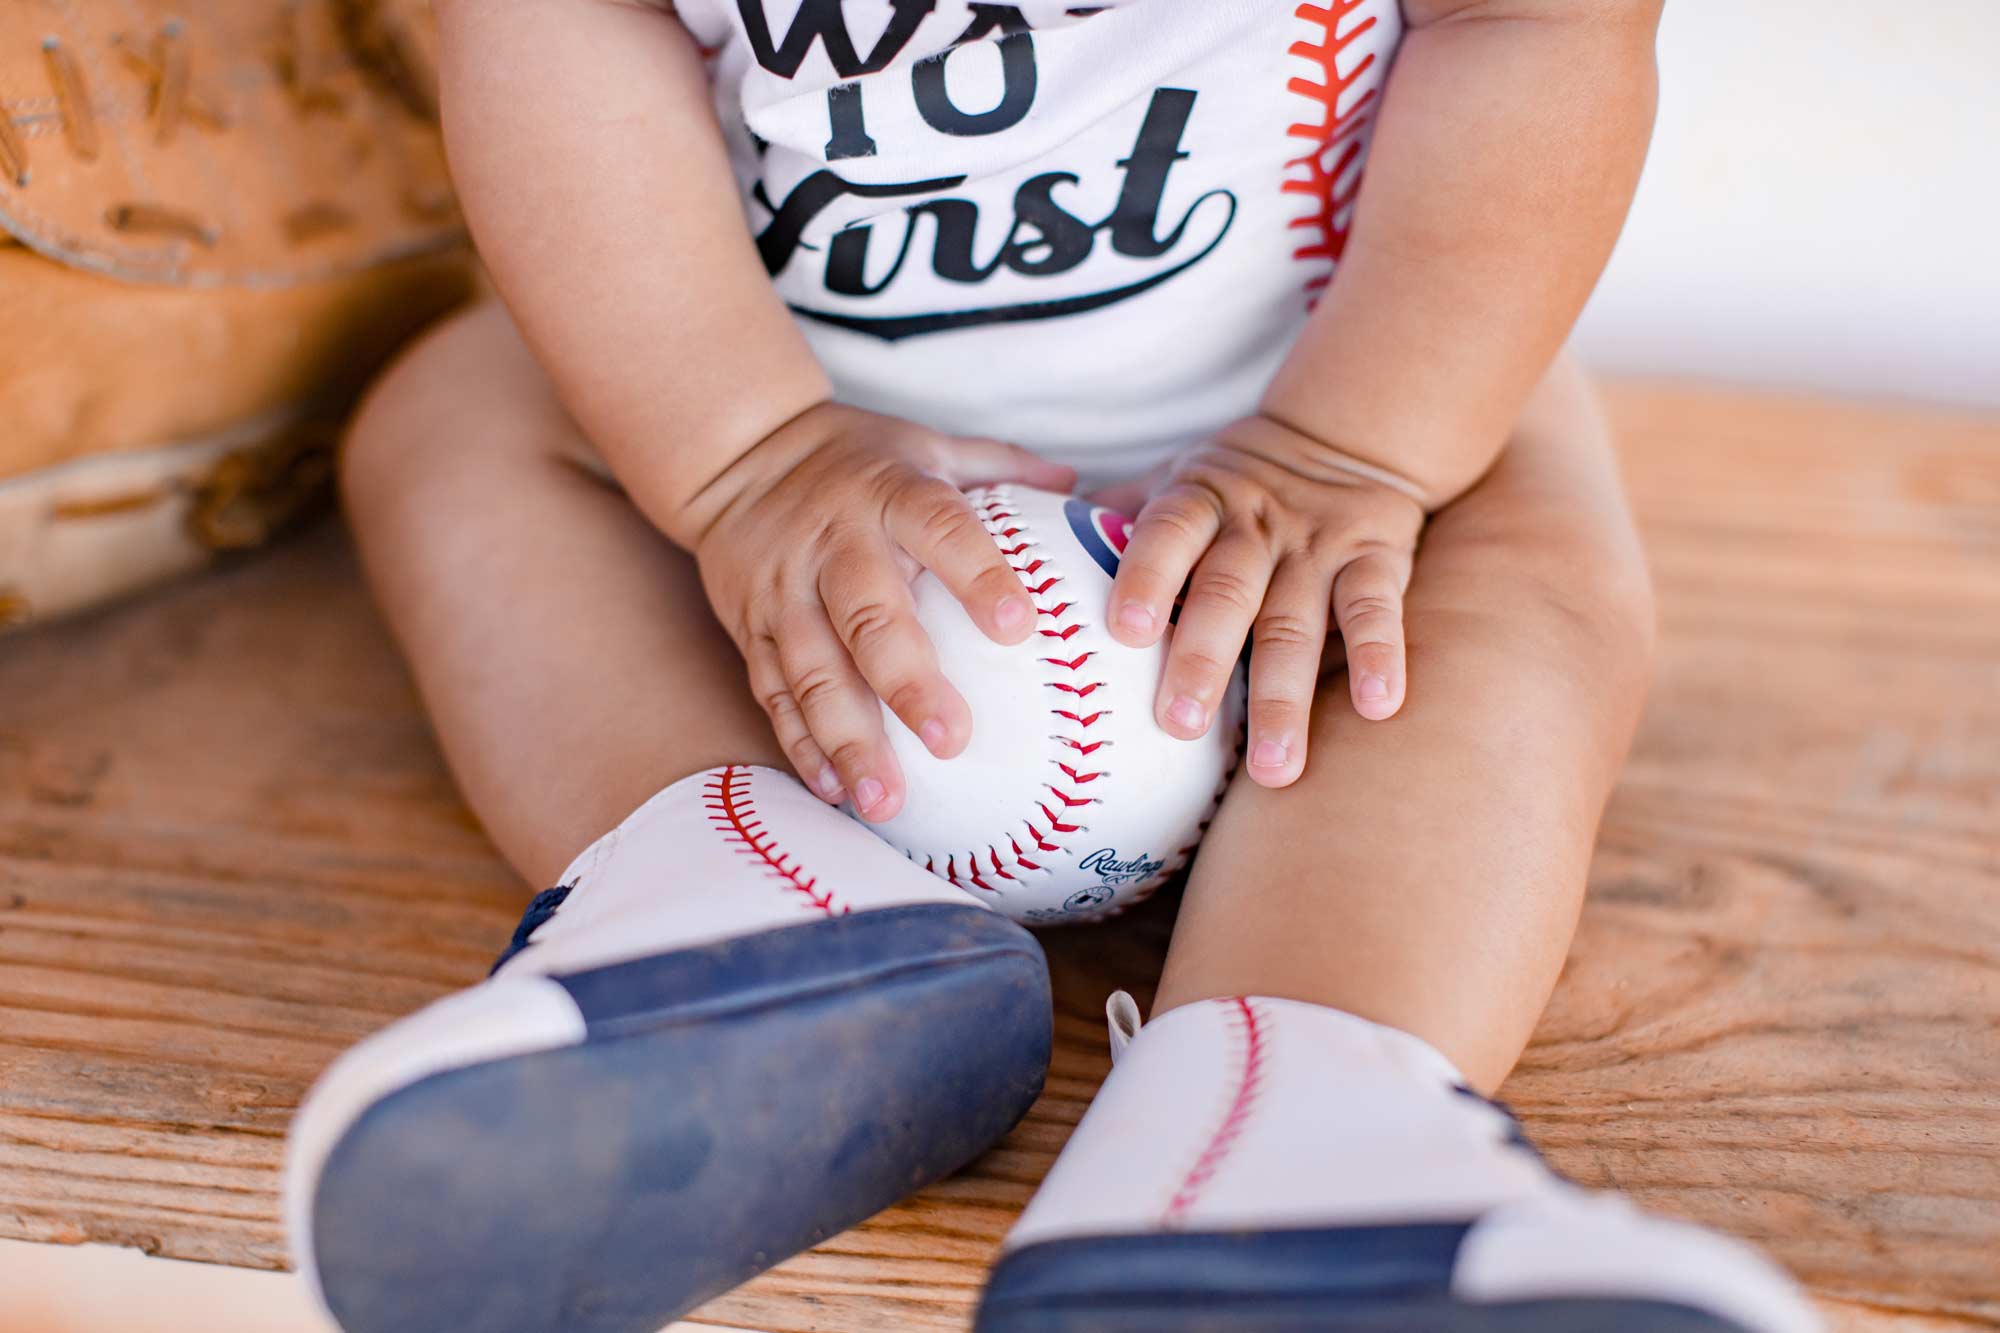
x: 540, y: 908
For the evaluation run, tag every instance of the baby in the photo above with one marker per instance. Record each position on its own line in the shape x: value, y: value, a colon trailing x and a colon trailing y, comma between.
x: 780, y: 278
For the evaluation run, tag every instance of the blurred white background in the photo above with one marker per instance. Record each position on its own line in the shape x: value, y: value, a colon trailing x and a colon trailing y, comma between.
x: 1822, y: 204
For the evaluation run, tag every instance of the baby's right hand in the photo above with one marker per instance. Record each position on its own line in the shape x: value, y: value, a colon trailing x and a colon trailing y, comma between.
x: 808, y: 546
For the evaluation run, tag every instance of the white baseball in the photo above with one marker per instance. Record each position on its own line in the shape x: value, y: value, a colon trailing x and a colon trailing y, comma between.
x: 1070, y: 803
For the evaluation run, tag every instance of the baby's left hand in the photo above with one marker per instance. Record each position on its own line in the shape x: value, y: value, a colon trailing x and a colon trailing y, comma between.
x: 1269, y: 529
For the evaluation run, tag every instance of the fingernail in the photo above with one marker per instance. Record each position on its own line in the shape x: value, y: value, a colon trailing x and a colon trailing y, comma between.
x: 932, y: 734
x: 1269, y: 754
x: 1372, y: 689
x: 1012, y: 613
x: 828, y: 783
x: 1135, y: 618
x: 1187, y: 713
x: 868, y: 793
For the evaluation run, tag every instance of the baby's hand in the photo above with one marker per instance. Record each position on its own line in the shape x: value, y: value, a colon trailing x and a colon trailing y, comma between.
x: 808, y: 564
x: 1268, y: 530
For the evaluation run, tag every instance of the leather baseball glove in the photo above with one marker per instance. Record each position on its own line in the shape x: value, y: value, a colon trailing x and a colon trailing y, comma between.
x: 216, y: 221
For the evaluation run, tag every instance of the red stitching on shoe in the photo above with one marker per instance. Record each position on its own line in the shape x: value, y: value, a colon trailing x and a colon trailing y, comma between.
x: 1329, y: 175
x: 726, y: 795
x: 1251, y: 1045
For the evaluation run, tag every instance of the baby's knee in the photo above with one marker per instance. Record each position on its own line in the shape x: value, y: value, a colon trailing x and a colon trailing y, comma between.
x: 1575, y: 596
x: 1591, y: 592
x: 394, y: 436
x: 465, y: 396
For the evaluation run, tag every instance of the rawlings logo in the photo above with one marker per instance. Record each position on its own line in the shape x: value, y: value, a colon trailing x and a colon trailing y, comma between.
x: 1104, y: 863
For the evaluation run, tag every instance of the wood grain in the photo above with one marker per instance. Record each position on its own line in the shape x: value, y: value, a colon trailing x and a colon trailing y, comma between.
x: 228, y: 849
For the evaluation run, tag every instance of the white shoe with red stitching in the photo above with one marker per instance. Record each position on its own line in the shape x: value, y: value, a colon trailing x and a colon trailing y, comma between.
x: 741, y: 1024
x: 1257, y: 1164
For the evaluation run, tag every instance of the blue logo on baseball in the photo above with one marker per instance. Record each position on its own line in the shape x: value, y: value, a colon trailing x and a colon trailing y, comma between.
x: 1102, y: 532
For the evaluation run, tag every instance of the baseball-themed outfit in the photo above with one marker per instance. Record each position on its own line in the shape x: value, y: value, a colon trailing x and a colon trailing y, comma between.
x: 1093, y: 229
x: 743, y: 1021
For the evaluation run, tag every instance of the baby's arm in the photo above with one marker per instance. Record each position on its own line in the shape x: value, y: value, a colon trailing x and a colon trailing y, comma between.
x: 597, y: 184
x: 589, y: 162
x: 1501, y: 172
x: 1505, y: 158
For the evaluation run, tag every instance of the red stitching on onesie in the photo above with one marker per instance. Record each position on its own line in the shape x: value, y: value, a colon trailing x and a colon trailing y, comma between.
x: 726, y: 795
x: 1329, y: 175
x: 1247, y: 1023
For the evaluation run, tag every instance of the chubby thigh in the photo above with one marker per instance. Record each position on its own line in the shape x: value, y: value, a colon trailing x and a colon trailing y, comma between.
x: 1426, y: 871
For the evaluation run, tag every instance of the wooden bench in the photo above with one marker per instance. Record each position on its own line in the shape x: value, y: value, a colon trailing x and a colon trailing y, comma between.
x: 228, y: 849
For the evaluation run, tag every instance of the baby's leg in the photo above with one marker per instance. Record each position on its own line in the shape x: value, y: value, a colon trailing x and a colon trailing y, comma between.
x: 564, y: 649
x: 739, y: 1024
x: 1291, y: 1142
x: 1426, y: 872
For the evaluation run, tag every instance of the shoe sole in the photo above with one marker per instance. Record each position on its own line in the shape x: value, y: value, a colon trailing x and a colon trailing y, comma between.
x: 729, y: 1106
x: 1392, y: 1279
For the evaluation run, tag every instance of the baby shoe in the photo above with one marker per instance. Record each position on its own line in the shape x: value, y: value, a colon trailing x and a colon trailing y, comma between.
x: 1257, y: 1165
x: 740, y: 1025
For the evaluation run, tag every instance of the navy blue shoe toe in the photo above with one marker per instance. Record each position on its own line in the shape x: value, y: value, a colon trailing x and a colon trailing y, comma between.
x: 727, y: 1107
x: 1373, y: 1279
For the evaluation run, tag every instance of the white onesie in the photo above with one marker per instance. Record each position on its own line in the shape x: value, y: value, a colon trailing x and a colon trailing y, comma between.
x: 1093, y: 230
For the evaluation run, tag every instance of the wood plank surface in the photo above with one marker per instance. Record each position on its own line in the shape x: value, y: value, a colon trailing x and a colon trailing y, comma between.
x: 228, y: 849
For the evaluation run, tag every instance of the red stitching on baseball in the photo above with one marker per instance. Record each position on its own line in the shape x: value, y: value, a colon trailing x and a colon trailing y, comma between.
x: 726, y: 795
x: 1330, y: 186
x: 1039, y: 576
x: 1055, y: 823
x: 1248, y: 1025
